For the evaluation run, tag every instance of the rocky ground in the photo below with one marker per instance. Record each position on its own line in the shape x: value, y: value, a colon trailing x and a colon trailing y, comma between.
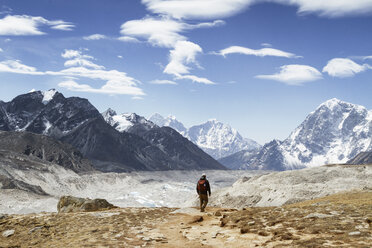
x: 339, y: 220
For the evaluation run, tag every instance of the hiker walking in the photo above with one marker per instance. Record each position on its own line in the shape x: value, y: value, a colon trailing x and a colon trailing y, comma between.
x: 203, y: 189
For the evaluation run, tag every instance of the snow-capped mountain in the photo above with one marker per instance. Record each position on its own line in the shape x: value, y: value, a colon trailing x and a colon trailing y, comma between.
x: 214, y: 137
x: 77, y: 122
x: 168, y: 140
x: 127, y: 121
x: 334, y: 133
x: 170, y: 121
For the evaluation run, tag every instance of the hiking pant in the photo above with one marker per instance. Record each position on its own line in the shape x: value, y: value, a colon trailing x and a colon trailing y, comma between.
x: 203, y: 201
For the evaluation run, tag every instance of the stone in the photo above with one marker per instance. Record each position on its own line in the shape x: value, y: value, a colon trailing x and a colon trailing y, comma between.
x: 35, y: 229
x: 214, y: 235
x: 68, y: 204
x: 251, y: 223
x: 354, y: 233
x: 317, y: 215
x: 196, y: 219
x: 217, y: 213
x: 8, y: 233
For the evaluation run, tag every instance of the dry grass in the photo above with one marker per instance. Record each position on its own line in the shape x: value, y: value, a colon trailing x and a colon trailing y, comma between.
x: 325, y: 222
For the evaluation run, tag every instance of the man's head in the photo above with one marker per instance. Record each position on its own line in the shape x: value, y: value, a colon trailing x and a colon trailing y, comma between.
x: 204, y: 176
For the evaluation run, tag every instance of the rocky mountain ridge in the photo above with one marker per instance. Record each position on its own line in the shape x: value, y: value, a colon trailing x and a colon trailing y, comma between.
x: 214, y: 137
x: 75, y: 121
x: 334, y: 133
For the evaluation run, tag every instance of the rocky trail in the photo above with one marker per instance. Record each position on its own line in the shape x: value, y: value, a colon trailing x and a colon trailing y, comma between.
x: 339, y: 220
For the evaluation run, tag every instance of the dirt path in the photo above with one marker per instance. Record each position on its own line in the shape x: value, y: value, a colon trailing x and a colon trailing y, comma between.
x: 341, y: 220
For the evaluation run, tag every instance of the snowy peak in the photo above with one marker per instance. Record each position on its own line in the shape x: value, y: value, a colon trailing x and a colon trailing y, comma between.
x: 48, y: 95
x: 124, y: 122
x: 334, y: 133
x: 170, y: 121
x: 157, y: 119
x: 214, y: 137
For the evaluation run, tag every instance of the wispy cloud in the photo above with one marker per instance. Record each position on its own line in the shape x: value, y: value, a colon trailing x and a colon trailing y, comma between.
x: 183, y: 53
x: 266, y: 44
x: 294, y: 74
x: 196, y: 79
x: 129, y: 39
x: 1, y: 50
x: 64, y: 27
x: 343, y: 67
x: 331, y: 8
x: 196, y: 9
x: 16, y: 66
x: 29, y: 25
x: 158, y: 81
x: 111, y: 88
x: 162, y: 32
x: 95, y: 37
x: 259, y: 52
x: 115, y: 82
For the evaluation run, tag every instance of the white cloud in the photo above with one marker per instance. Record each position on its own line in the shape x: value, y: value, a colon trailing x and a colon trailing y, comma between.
x: 331, y: 8
x: 64, y: 27
x: 162, y: 32
x: 266, y: 45
x: 120, y: 57
x: 1, y: 50
x: 294, y: 74
x: 116, y: 82
x: 212, y: 9
x: 196, y: 9
x: 29, y: 25
x: 111, y: 88
x: 15, y: 66
x: 157, y: 81
x: 82, y: 62
x: 259, y: 52
x: 342, y: 67
x: 128, y: 39
x: 196, y: 79
x: 69, y: 54
x: 367, y: 57
x: 158, y: 32
x: 183, y: 53
x: 95, y: 37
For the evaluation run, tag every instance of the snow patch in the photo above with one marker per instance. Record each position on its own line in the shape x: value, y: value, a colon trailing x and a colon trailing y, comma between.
x: 48, y: 96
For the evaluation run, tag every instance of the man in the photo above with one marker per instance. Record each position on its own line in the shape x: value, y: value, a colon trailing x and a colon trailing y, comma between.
x: 203, y: 188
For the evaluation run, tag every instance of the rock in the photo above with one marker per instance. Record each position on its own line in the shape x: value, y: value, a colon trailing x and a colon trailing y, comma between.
x: 317, y: 215
x: 354, y: 233
x: 2, y: 216
x: 223, y: 222
x: 251, y: 223
x: 68, y: 204
x: 196, y: 219
x: 217, y: 213
x: 35, y: 229
x: 8, y: 233
x: 214, y: 235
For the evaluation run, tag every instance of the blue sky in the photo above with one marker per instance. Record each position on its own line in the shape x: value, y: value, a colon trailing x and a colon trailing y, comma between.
x: 260, y: 66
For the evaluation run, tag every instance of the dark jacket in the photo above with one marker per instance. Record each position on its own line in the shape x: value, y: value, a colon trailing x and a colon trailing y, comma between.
x: 208, y: 188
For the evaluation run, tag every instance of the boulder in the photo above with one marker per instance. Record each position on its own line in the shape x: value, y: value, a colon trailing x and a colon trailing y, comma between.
x: 69, y: 204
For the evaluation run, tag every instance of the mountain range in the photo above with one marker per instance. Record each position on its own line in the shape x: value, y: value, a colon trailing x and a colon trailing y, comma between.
x: 334, y: 133
x: 214, y: 137
x: 77, y: 122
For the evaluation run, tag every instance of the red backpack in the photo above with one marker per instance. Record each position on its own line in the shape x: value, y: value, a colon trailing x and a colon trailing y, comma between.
x: 202, y: 186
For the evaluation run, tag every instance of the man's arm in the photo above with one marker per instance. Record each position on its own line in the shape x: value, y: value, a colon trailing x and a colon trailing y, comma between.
x: 197, y: 190
x: 208, y: 188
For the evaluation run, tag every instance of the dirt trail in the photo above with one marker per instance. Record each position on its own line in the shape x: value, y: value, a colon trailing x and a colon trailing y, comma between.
x: 341, y: 220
